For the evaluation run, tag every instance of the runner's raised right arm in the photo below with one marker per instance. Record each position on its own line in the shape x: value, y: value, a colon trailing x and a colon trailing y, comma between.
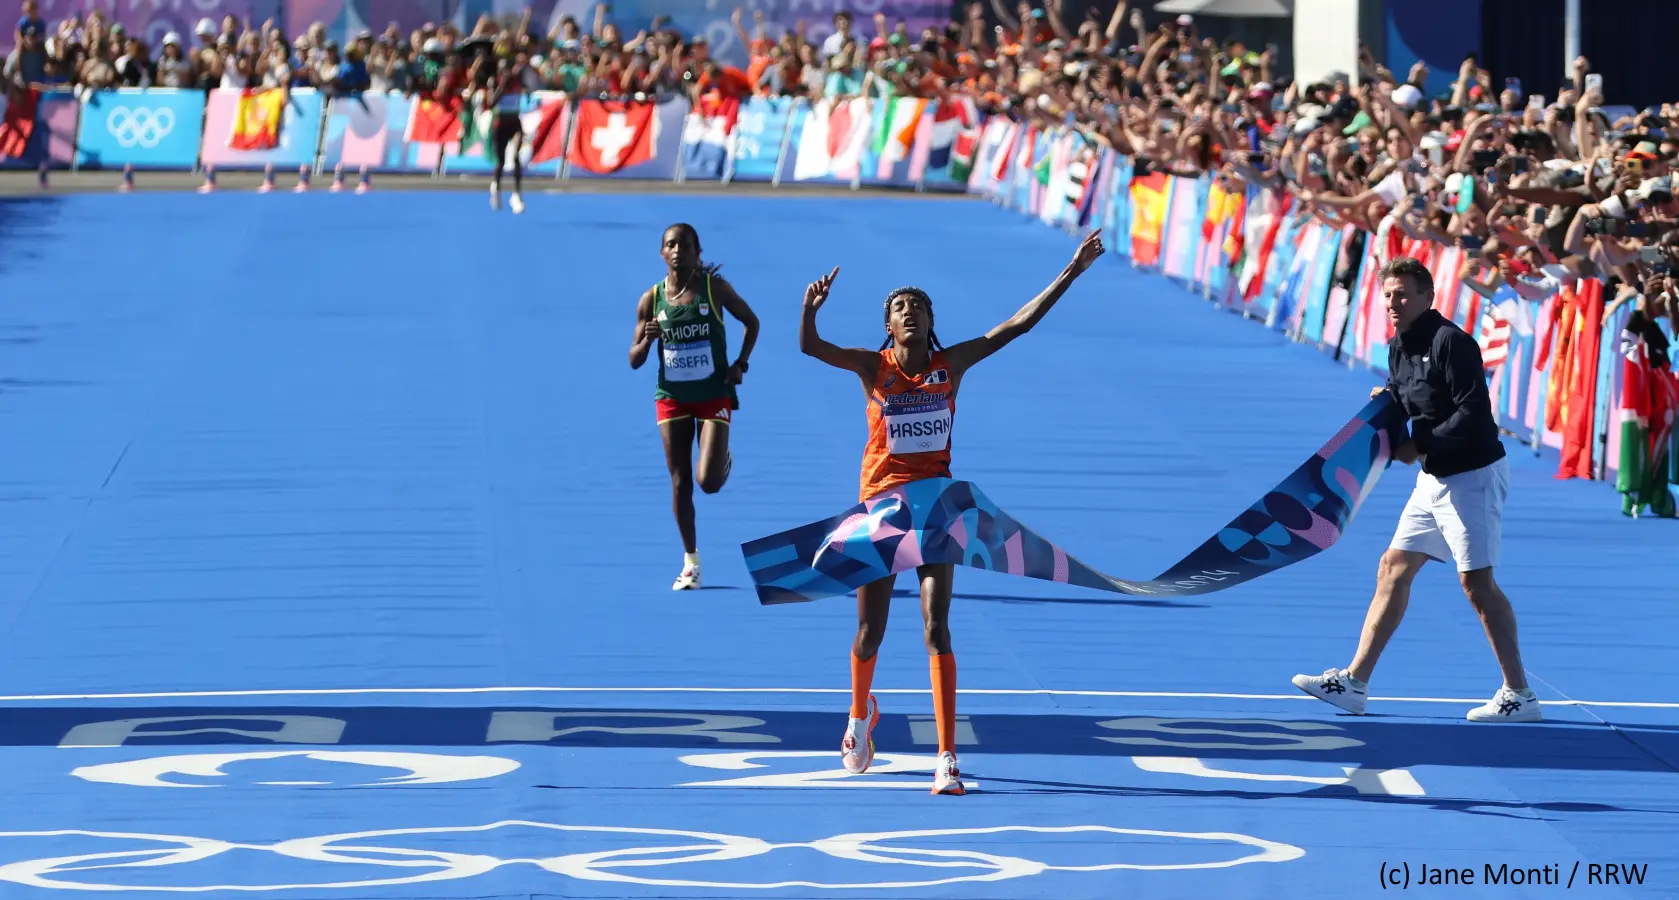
x: 863, y: 363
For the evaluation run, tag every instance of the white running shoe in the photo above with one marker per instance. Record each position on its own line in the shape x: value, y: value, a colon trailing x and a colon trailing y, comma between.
x: 857, y: 749
x: 516, y: 203
x: 1335, y: 687
x: 689, y: 580
x: 1508, y: 706
x: 947, y: 779
x: 495, y: 199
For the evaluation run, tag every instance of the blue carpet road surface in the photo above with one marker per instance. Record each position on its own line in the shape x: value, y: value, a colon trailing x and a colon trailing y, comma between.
x: 336, y: 552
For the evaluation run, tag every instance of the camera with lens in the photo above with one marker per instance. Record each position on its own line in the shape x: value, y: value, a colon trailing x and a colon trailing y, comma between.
x: 1604, y: 225
x: 1618, y: 228
x: 1482, y: 160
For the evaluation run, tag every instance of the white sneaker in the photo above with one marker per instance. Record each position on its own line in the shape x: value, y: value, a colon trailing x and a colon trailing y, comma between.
x: 857, y: 749
x: 1508, y: 706
x: 516, y: 203
x: 689, y: 580
x: 1335, y: 687
x: 495, y: 199
x: 947, y: 779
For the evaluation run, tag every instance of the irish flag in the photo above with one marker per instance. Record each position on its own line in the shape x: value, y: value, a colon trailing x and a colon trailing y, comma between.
x: 256, y: 122
x: 897, y: 128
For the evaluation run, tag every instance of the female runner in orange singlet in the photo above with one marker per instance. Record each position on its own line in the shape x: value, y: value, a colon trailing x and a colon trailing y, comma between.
x: 911, y: 384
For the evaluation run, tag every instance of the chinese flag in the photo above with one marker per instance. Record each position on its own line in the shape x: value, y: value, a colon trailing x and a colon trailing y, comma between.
x: 1581, y: 363
x: 610, y: 135
x: 432, y: 122
x: 1556, y: 347
x: 17, y: 121
x: 256, y: 124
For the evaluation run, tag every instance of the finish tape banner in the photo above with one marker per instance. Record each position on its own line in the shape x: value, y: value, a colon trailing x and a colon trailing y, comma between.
x: 944, y: 521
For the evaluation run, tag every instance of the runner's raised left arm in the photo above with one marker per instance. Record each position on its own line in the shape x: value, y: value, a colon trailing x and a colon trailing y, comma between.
x: 966, y: 354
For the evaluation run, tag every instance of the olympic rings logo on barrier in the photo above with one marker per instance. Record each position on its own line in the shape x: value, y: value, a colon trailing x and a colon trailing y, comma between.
x: 141, y: 126
x: 623, y: 865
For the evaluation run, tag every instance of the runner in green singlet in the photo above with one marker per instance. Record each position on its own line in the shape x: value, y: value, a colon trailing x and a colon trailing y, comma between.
x: 696, y: 392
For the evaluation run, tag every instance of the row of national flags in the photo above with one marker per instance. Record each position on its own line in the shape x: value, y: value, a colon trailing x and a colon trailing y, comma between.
x: 1545, y: 360
x: 600, y: 136
x: 896, y: 140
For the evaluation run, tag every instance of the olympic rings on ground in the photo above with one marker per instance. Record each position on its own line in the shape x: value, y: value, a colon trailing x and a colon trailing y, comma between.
x: 618, y: 865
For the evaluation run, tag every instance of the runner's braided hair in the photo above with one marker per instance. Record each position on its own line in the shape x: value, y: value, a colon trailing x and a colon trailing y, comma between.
x: 932, y: 336
x: 702, y: 267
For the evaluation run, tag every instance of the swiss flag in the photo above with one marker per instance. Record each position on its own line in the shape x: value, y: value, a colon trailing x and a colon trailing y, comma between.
x: 610, y: 135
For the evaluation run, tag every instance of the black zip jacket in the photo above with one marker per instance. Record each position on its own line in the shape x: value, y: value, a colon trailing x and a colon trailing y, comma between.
x: 1435, y: 372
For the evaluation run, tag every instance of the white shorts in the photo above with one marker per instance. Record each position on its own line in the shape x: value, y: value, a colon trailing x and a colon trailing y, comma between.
x: 1458, y: 518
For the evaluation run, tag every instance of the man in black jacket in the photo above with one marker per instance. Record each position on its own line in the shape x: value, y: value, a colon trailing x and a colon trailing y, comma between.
x: 1456, y: 510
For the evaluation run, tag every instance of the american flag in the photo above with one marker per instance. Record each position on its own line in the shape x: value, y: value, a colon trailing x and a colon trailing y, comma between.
x: 1499, y: 322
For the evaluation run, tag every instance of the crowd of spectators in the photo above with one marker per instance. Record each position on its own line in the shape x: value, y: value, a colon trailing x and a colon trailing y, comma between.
x: 1537, y: 187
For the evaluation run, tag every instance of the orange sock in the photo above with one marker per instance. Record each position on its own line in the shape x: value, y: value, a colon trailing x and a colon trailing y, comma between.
x: 862, y: 676
x: 942, y: 669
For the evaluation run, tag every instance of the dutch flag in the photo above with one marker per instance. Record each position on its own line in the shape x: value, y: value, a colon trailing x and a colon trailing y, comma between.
x: 705, y: 138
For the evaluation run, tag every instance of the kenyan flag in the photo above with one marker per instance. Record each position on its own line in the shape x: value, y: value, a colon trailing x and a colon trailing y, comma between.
x: 962, y: 156
x: 1646, y: 416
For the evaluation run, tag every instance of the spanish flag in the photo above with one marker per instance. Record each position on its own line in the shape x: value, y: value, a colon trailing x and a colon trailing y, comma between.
x: 1149, y: 201
x: 256, y: 123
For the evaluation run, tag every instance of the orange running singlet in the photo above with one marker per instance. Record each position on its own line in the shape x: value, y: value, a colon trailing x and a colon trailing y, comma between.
x: 909, y: 425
